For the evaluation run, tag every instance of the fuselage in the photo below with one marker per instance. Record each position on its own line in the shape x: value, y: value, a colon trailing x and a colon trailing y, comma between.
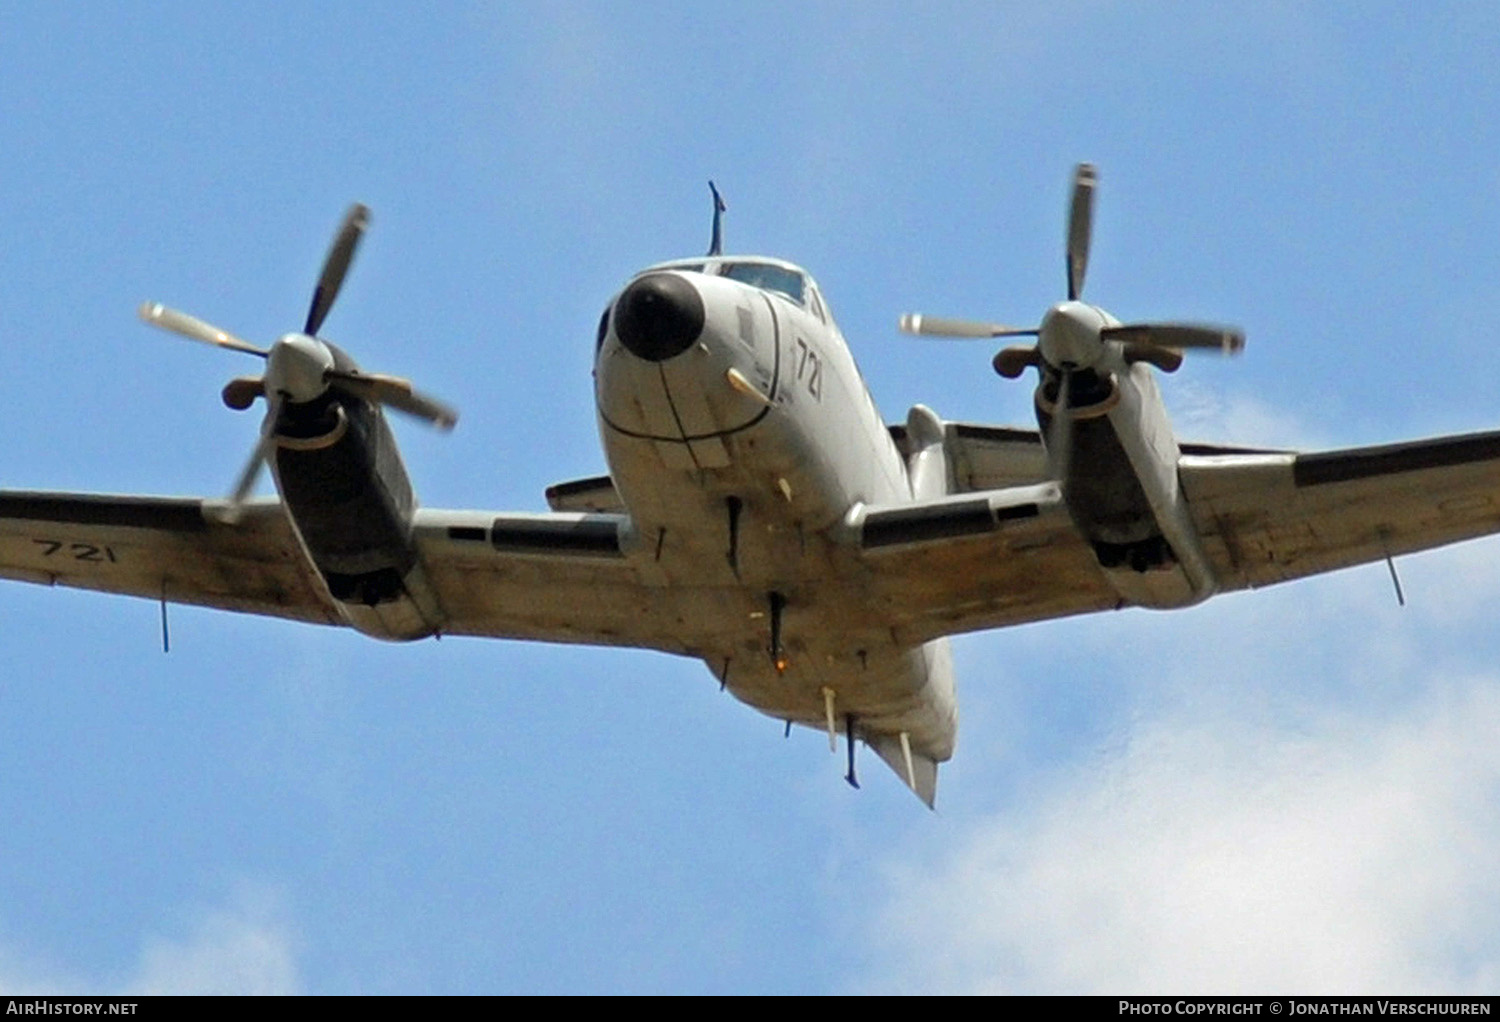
x: 739, y: 434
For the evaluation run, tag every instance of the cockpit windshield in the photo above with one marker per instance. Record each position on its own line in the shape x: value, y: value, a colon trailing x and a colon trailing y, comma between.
x: 769, y: 277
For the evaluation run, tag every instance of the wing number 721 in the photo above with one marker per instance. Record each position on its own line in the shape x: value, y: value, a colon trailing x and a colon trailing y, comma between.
x: 77, y: 551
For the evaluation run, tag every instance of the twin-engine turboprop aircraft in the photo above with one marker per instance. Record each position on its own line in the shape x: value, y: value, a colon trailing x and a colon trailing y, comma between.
x: 759, y: 514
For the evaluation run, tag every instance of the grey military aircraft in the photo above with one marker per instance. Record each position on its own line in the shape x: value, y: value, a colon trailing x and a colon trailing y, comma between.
x: 759, y: 514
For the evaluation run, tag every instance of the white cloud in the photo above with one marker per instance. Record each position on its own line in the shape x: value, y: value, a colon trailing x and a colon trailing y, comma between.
x: 1214, y: 414
x: 244, y: 947
x: 1345, y: 853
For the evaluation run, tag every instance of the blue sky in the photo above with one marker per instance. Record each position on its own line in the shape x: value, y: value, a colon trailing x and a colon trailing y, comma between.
x: 1287, y: 790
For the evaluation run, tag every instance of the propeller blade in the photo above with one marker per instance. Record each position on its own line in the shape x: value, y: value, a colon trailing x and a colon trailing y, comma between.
x: 1060, y: 435
x: 1080, y: 227
x: 249, y: 474
x: 240, y: 393
x: 396, y: 393
x: 1168, y: 360
x: 935, y: 326
x: 263, y: 449
x: 193, y: 328
x: 336, y: 265
x: 1227, y: 339
x: 1013, y: 361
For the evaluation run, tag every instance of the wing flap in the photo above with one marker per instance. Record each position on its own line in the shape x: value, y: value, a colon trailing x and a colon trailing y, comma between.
x: 969, y: 514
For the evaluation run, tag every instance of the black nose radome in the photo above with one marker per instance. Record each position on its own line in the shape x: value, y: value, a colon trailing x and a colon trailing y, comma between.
x: 659, y: 316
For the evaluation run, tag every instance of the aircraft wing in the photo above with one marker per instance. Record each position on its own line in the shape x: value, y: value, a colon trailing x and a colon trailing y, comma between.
x: 555, y: 577
x: 1268, y: 518
x: 1003, y: 551
x: 980, y: 558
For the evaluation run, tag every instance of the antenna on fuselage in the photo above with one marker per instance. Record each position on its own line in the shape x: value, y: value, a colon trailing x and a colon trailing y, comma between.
x: 716, y: 243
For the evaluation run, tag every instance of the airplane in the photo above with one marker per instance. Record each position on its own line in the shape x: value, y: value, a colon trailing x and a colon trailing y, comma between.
x: 758, y: 513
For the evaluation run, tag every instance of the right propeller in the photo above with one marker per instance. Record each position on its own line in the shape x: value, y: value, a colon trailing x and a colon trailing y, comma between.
x: 1075, y: 338
x: 301, y: 367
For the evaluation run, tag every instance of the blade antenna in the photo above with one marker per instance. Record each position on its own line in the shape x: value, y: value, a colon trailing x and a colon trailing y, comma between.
x: 716, y: 243
x: 166, y: 636
x: 264, y: 449
x: 849, y: 735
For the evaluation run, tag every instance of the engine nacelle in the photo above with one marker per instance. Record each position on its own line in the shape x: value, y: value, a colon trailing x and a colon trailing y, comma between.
x: 351, y: 503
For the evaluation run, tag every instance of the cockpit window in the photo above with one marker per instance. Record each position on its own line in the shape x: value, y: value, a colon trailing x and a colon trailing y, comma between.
x: 767, y: 277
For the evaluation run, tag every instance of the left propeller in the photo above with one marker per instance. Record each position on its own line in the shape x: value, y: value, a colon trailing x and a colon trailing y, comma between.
x: 300, y: 367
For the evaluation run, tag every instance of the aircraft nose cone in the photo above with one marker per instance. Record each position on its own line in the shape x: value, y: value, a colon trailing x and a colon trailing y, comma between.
x: 659, y: 316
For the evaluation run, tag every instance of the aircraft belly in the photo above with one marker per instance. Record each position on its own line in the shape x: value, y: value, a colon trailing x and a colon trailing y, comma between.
x: 831, y: 628
x: 888, y: 690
